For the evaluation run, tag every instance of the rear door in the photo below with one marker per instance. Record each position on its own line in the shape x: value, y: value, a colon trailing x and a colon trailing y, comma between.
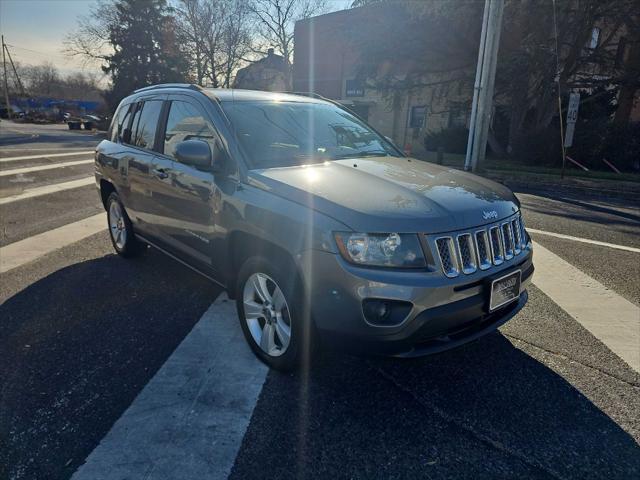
x: 148, y: 174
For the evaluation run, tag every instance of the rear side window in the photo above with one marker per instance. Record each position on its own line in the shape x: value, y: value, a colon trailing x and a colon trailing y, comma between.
x: 187, y: 122
x: 145, y: 123
x: 120, y: 123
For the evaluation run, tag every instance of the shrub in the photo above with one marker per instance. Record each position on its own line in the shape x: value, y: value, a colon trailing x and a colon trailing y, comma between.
x: 452, y: 140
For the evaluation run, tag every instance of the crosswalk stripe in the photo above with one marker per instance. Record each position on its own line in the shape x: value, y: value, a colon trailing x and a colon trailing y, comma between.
x: 47, y: 189
x: 39, y: 168
x: 189, y: 420
x: 46, y: 155
x: 24, y: 251
x: 614, y: 320
x: 584, y: 240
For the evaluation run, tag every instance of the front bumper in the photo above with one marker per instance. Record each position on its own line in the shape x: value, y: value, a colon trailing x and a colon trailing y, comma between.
x: 445, y: 313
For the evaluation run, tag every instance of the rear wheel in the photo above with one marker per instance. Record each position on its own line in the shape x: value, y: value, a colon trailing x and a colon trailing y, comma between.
x: 270, y: 311
x: 120, y: 229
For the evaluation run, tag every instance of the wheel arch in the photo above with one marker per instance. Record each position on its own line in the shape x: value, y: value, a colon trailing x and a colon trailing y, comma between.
x: 106, y: 189
x: 243, y: 245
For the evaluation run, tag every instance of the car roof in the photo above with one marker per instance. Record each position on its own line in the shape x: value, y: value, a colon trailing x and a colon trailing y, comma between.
x: 232, y: 94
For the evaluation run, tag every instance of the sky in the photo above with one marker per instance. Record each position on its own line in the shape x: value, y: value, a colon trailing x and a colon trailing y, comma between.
x: 35, y: 30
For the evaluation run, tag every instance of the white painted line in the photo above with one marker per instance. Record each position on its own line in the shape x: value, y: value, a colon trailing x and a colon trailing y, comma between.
x: 47, y: 189
x: 584, y: 240
x: 23, y: 148
x: 189, y: 420
x: 45, y: 155
x: 614, y: 320
x: 39, y: 168
x: 24, y: 251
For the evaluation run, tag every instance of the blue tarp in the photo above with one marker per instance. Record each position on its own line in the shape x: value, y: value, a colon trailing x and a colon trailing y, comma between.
x: 47, y: 102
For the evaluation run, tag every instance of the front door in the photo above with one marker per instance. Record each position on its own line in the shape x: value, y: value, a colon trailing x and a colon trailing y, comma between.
x: 190, y: 207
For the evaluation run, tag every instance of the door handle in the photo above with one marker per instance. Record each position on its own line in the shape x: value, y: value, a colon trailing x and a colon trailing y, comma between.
x: 161, y: 173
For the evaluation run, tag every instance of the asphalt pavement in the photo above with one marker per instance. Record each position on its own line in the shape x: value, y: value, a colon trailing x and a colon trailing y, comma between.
x: 113, y: 368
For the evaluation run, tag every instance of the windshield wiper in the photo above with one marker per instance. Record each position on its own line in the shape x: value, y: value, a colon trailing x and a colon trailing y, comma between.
x: 360, y: 154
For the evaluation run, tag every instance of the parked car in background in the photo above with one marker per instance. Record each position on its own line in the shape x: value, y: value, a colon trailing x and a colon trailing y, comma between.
x: 318, y: 227
x: 88, y: 122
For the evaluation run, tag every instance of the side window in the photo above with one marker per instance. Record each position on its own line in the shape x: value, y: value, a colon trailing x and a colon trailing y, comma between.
x: 130, y: 138
x: 120, y: 123
x: 145, y: 123
x: 186, y: 122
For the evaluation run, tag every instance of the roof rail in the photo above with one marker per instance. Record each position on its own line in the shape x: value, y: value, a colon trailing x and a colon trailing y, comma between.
x: 309, y: 94
x: 168, y: 85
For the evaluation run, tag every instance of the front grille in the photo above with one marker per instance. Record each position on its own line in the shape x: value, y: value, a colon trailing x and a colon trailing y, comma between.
x: 448, y: 256
x: 484, y: 250
x: 467, y: 252
x: 517, y: 236
x: 508, y: 241
x: 497, y: 248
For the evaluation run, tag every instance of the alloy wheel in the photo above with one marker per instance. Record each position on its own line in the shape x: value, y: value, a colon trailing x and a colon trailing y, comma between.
x: 117, y: 225
x: 267, y: 314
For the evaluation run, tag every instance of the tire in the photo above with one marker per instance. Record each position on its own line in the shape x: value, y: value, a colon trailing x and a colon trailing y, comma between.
x: 273, y: 316
x: 121, y: 230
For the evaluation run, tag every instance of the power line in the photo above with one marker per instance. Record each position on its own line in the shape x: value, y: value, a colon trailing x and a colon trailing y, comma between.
x: 43, y: 54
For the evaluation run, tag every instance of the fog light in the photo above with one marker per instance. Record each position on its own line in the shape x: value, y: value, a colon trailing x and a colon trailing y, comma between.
x: 385, y: 312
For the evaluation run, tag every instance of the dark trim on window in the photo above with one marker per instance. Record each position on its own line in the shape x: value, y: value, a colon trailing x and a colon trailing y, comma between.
x: 162, y: 127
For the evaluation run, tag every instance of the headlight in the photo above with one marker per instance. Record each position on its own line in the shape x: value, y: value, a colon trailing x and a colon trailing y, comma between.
x: 381, y: 249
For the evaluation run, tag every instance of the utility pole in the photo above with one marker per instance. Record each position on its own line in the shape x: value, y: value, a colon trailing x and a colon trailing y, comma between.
x: 6, y: 85
x: 15, y: 72
x: 484, y: 84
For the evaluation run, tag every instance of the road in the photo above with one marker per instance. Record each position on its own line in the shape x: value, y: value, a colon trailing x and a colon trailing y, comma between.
x: 127, y: 369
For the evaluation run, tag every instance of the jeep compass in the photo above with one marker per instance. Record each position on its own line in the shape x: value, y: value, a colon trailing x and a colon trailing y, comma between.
x: 317, y: 225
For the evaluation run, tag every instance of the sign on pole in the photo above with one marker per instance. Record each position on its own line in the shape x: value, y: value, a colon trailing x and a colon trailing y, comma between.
x: 572, y: 117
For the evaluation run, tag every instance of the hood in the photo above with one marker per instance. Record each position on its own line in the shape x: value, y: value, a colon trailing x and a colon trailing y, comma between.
x: 391, y: 194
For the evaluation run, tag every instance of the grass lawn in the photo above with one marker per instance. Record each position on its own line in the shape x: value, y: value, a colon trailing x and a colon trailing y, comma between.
x: 513, y: 167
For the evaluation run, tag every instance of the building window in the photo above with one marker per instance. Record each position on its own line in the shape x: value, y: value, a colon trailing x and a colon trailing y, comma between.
x: 458, y: 117
x: 595, y: 37
x: 418, y: 116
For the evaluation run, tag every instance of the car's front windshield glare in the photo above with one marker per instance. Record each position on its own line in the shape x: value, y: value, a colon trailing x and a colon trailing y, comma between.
x: 281, y: 134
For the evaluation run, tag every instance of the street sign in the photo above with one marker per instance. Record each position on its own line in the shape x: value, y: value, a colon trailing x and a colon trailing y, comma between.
x: 572, y: 117
x: 354, y: 88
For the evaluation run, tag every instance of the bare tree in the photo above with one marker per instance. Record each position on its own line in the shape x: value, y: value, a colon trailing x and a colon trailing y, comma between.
x: 90, y: 41
x: 191, y: 26
x: 43, y: 79
x: 237, y: 40
x: 216, y: 33
x: 275, y: 21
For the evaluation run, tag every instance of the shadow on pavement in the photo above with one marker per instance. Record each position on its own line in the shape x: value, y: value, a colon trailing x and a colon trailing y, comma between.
x: 76, y: 348
x: 487, y: 410
x: 585, y: 212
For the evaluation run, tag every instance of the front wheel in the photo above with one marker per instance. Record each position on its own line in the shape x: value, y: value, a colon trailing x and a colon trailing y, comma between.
x: 270, y: 311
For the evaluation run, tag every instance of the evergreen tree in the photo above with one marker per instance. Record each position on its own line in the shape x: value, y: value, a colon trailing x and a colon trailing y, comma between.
x: 145, y: 48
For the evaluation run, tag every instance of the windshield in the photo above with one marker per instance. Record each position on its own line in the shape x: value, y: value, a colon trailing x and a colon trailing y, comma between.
x: 282, y: 134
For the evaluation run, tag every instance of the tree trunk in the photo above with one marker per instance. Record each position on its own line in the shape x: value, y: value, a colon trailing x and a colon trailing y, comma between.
x: 629, y: 89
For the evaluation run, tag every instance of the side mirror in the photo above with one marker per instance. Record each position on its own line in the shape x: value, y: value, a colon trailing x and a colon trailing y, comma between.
x: 195, y: 153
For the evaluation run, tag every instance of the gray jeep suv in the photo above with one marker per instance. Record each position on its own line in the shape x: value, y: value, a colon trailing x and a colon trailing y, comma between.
x: 318, y: 226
